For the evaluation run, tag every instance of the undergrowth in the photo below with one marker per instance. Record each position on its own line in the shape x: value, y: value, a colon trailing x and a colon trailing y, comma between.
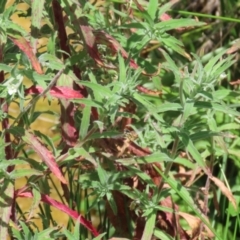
x: 147, y: 141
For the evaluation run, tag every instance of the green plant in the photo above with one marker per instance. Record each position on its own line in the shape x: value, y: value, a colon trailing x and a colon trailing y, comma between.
x: 142, y: 130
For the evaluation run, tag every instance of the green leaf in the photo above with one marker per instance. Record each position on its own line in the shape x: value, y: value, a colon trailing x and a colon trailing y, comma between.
x: 188, y: 110
x: 25, y: 229
x: 149, y: 226
x: 209, y: 66
x: 152, y: 8
x: 213, y: 127
x: 15, y: 30
x: 136, y: 25
x: 85, y: 122
x: 68, y: 234
x: 100, y: 236
x: 2, y: 151
x: 171, y: 64
x: 177, y: 23
x: 164, y: 8
x: 79, y: 151
x: 200, y: 135
x: 168, y: 107
x: 36, y: 19
x: 6, y: 201
x: 36, y: 200
x: 5, y: 68
x: 218, y: 70
x: 111, y: 202
x: 2, y: 6
x: 184, y: 162
x: 19, y: 173
x: 138, y: 41
x: 192, y: 149
x: 144, y: 176
x: 14, y: 162
x: 102, y: 174
x: 46, y: 233
x: 148, y: 105
x: 155, y: 157
x: 122, y: 69
x: 144, y: 14
x: 77, y: 233
x: 217, y: 107
x: 51, y: 61
x: 100, y: 92
x: 162, y: 235
x: 88, y: 102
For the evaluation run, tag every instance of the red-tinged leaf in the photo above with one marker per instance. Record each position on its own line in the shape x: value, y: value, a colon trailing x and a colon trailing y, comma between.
x: 148, y: 91
x: 237, y: 82
x: 45, y: 155
x: 69, y: 132
x: 25, y: 46
x: 104, y: 38
x: 75, y: 215
x: 68, y: 128
x: 58, y: 92
x: 139, y: 6
x: 90, y: 42
x: 137, y: 150
x: 6, y: 200
x: 165, y: 17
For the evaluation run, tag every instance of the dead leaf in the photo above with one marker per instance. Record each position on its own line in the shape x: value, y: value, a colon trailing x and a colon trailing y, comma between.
x: 224, y: 190
x: 237, y: 82
x: 235, y: 47
x: 194, y: 223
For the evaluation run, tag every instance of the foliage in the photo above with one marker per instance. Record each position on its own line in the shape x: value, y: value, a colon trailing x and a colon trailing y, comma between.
x: 147, y: 132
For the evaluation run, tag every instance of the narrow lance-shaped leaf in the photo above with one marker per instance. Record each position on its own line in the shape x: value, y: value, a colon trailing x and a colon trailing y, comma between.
x: 224, y: 190
x: 19, y: 173
x: 178, y: 23
x: 58, y: 92
x: 6, y: 200
x: 75, y: 215
x: 45, y: 155
x: 192, y: 149
x: 90, y: 41
x: 35, y: 202
x: 152, y: 8
x: 2, y: 6
x: 164, y: 8
x: 85, y: 122
x: 106, y: 39
x: 149, y: 227
x: 24, y: 45
x: 37, y: 12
